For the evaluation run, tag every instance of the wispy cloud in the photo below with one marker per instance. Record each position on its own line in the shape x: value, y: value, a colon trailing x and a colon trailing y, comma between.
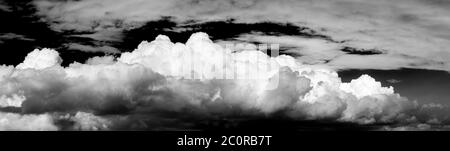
x: 4, y: 7
x: 88, y: 48
x: 13, y: 36
x: 412, y: 28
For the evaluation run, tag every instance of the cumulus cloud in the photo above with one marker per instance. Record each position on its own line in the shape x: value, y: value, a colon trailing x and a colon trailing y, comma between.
x: 40, y: 59
x: 197, y: 79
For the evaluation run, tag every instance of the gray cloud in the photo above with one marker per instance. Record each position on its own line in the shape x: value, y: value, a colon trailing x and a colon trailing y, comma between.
x: 415, y: 28
x: 88, y: 48
x: 4, y: 7
x: 11, y: 36
x: 145, y: 89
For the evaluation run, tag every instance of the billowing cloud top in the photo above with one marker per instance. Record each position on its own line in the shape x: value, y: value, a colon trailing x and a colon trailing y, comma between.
x: 199, y: 79
x: 40, y: 59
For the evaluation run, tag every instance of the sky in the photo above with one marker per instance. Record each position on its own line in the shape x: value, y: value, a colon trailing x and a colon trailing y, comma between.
x: 401, y: 29
x: 402, y: 43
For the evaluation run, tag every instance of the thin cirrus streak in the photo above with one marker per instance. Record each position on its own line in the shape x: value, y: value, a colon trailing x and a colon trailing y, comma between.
x: 103, y: 93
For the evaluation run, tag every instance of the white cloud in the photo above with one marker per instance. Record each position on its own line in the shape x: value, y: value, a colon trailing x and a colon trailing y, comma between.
x: 149, y: 79
x: 365, y: 86
x: 40, y: 59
